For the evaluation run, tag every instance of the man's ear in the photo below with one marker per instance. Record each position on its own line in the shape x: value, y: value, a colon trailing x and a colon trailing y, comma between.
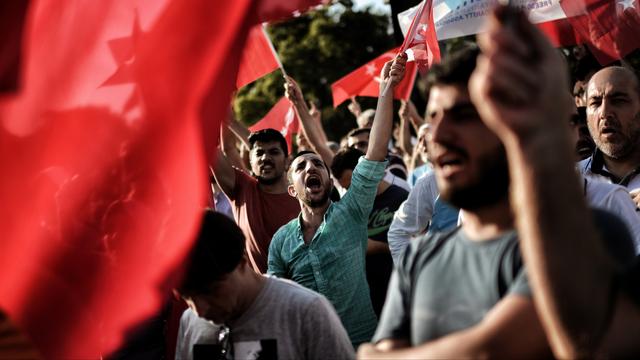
x: 292, y: 191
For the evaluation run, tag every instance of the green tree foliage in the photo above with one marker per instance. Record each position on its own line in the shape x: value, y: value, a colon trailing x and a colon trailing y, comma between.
x: 317, y: 49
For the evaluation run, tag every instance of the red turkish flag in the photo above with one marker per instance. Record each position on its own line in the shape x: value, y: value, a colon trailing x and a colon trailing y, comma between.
x: 281, y: 117
x: 610, y: 27
x: 560, y: 33
x: 421, y: 43
x: 258, y: 57
x: 12, y: 18
x: 365, y: 80
x: 273, y: 10
x: 105, y: 174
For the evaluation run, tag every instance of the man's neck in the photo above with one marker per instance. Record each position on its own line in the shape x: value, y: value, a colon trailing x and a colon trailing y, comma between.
x: 279, y: 187
x: 252, y: 285
x: 312, y: 217
x: 488, y: 222
x: 621, y: 167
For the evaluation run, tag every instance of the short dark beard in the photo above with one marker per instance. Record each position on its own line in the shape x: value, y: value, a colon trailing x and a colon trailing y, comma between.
x: 491, y: 187
x: 314, y: 204
x: 264, y: 181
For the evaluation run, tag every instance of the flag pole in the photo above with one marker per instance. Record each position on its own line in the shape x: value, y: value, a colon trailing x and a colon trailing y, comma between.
x: 273, y: 49
x: 410, y: 34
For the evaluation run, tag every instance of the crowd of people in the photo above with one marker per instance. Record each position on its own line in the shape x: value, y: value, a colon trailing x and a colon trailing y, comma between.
x: 503, y: 228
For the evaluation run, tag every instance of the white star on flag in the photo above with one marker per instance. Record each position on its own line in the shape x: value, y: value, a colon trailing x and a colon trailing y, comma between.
x: 371, y: 69
x: 626, y: 4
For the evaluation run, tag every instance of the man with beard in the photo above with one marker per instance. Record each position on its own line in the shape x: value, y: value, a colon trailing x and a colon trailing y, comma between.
x: 260, y: 203
x: 324, y: 248
x: 613, y: 116
x: 462, y: 293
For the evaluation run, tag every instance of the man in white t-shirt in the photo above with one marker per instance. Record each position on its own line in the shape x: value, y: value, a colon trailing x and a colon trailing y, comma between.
x: 238, y: 313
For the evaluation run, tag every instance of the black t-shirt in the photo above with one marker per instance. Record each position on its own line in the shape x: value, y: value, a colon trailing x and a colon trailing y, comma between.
x: 382, y: 212
x: 379, y: 266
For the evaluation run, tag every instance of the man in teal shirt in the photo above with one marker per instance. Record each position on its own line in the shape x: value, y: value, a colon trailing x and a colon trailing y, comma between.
x: 324, y: 248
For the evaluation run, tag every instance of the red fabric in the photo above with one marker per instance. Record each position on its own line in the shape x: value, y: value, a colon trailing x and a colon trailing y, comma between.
x: 260, y: 215
x: 12, y: 18
x: 560, y: 33
x: 281, y: 117
x: 365, y: 80
x: 273, y: 10
x: 257, y: 59
x: 610, y: 27
x: 104, y: 169
x: 421, y: 38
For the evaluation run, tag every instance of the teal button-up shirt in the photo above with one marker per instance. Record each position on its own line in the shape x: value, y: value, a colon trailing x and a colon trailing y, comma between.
x: 333, y: 261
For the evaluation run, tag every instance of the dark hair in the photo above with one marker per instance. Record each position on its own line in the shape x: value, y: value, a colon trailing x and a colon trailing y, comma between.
x: 358, y: 131
x: 217, y: 252
x: 345, y: 159
x: 455, y: 69
x: 269, y: 135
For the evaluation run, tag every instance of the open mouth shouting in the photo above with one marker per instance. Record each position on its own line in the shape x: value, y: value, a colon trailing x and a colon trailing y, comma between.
x: 450, y: 163
x: 313, y: 184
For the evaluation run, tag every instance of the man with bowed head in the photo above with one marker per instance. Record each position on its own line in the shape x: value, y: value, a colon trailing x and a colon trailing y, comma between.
x: 236, y: 312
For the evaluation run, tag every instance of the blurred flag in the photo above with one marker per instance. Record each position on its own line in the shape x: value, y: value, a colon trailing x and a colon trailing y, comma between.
x: 281, y: 117
x: 258, y: 57
x: 420, y: 40
x: 103, y: 161
x: 365, y: 80
x: 610, y: 28
x: 12, y: 18
x: 274, y: 10
x: 560, y: 32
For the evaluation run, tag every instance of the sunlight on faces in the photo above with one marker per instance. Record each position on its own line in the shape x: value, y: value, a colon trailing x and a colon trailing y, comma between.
x: 468, y: 158
x: 613, y: 112
x: 309, y: 180
x: 268, y: 161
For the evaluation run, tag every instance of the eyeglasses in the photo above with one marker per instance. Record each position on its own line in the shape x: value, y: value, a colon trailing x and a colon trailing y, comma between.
x: 224, y: 339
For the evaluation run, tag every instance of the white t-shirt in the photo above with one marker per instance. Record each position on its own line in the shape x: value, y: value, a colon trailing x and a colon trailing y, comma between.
x: 285, y: 321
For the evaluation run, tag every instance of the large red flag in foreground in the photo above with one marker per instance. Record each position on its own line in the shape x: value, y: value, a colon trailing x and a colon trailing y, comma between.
x: 420, y: 42
x: 365, y: 80
x: 104, y: 172
x: 12, y: 17
x: 609, y: 27
x: 281, y: 117
x: 272, y: 10
x: 258, y: 58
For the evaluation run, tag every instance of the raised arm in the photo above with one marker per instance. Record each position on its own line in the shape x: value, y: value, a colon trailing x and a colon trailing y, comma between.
x: 392, y: 72
x: 312, y: 129
x: 227, y: 157
x: 405, y: 133
x: 239, y: 130
x: 519, y: 88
